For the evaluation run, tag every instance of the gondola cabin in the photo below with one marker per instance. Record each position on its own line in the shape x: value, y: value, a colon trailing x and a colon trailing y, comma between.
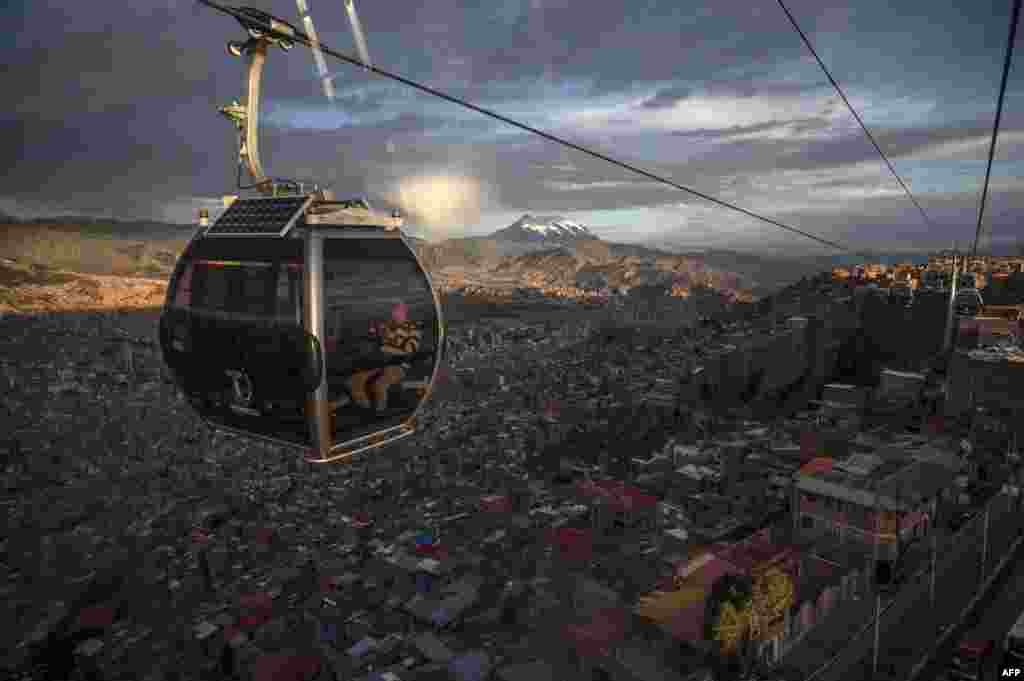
x: 295, y: 318
x: 306, y: 322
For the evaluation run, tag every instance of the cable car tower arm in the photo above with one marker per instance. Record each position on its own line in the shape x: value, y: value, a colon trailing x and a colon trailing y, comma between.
x: 264, y: 31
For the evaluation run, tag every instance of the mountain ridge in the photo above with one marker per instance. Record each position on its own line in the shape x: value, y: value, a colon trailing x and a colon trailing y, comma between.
x: 538, y: 251
x: 543, y: 229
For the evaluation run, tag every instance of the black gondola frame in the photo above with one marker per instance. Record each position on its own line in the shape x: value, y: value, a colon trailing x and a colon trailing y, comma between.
x: 318, y: 413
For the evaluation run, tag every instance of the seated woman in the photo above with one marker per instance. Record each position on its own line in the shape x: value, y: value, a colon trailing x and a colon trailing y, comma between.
x: 399, y: 340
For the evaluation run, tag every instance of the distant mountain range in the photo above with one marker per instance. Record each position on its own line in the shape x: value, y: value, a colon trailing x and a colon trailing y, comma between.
x: 543, y: 230
x: 113, y: 227
x: 532, y: 251
x: 552, y: 251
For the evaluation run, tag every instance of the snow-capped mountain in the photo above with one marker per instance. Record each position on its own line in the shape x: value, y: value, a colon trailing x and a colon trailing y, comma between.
x: 549, y: 229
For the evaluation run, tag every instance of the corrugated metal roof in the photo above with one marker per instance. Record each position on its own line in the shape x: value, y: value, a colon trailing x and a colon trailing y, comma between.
x: 859, y: 464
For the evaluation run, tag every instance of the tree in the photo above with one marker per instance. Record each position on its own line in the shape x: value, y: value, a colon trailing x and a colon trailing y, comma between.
x: 733, y: 626
x: 729, y: 589
x: 772, y: 595
x: 727, y: 620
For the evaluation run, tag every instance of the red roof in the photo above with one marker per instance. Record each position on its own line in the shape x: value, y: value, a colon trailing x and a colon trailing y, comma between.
x: 707, y: 574
x: 96, y: 617
x: 820, y: 464
x: 436, y: 550
x: 619, y: 495
x: 631, y: 498
x: 908, y: 520
x: 808, y: 444
x: 552, y: 409
x: 572, y: 543
x: 820, y: 568
x: 749, y: 554
x: 259, y: 606
x: 255, y: 618
x: 496, y: 503
x: 258, y: 599
x: 605, y: 627
x: 360, y: 520
x: 231, y: 631
x: 200, y: 536
x: 286, y: 667
x: 975, y: 647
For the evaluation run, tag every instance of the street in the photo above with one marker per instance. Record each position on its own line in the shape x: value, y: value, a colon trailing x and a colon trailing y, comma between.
x: 909, y: 623
x: 993, y: 619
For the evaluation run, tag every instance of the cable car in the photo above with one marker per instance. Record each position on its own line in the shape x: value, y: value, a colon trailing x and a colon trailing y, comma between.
x: 295, y: 318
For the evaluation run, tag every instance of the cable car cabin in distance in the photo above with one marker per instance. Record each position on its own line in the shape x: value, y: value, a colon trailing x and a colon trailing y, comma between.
x: 305, y: 322
x: 968, y: 303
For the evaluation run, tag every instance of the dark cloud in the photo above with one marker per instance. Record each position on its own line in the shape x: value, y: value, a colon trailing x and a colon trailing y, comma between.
x: 854, y: 147
x: 667, y: 98
x: 799, y: 125
x: 108, y: 106
x: 745, y: 87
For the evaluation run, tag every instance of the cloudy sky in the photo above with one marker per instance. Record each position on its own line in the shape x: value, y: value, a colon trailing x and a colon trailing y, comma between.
x: 111, y: 110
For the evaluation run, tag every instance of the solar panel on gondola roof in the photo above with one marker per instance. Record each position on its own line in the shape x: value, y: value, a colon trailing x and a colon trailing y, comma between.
x: 264, y: 216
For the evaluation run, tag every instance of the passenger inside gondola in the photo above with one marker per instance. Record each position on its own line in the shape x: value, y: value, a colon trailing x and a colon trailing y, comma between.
x: 399, y: 339
x: 367, y: 370
x: 381, y: 338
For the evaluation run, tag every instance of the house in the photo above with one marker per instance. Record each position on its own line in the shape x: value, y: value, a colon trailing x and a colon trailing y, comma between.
x: 594, y: 637
x: 981, y: 378
x: 432, y: 648
x: 447, y: 605
x: 680, y: 611
x: 818, y: 586
x: 573, y: 545
x: 880, y: 502
x: 614, y: 503
x: 475, y: 665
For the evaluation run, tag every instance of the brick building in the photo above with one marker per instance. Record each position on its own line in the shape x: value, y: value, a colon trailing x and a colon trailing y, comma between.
x: 879, y: 503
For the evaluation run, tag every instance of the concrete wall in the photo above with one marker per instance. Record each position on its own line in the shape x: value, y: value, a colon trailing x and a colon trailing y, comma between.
x: 929, y: 322
x: 905, y: 334
x: 781, y: 360
x: 1000, y: 383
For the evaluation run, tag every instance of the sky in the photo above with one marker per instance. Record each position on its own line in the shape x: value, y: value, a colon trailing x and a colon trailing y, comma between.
x: 112, y: 111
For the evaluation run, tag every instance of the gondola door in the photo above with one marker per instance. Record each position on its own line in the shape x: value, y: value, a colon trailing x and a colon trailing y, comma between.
x: 317, y: 409
x: 381, y: 334
x: 234, y: 336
